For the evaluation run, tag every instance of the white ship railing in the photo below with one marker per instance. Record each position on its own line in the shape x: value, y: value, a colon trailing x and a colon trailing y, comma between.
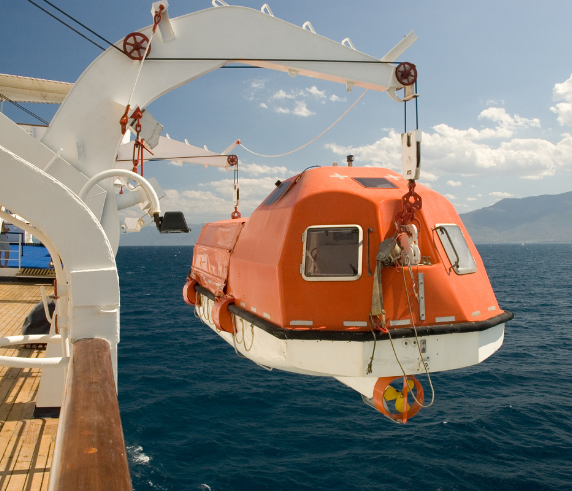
x: 20, y: 250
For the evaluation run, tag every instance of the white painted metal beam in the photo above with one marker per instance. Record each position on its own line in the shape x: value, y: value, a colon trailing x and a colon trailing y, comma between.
x: 87, y: 127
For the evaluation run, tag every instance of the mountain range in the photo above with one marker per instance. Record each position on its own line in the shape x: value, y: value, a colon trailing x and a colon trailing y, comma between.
x: 536, y: 219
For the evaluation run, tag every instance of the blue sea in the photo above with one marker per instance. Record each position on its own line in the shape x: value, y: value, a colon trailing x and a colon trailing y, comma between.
x: 197, y: 417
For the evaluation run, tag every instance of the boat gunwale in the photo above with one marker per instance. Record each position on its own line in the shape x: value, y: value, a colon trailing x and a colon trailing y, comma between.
x: 360, y: 336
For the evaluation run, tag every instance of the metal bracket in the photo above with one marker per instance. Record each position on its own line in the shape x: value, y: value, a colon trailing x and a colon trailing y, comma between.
x: 421, y: 288
x: 165, y: 28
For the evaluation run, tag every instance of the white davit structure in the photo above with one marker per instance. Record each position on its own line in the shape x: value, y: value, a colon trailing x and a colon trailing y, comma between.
x: 63, y: 178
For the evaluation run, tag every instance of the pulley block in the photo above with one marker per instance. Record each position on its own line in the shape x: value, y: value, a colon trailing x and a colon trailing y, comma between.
x: 135, y: 44
x: 406, y: 73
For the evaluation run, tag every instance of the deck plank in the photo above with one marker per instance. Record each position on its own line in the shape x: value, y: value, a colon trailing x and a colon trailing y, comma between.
x: 26, y: 444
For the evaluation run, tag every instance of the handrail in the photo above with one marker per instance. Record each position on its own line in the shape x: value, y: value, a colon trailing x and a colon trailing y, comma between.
x: 30, y: 339
x: 23, y: 362
x: 20, y: 248
x: 90, y: 448
x: 145, y: 184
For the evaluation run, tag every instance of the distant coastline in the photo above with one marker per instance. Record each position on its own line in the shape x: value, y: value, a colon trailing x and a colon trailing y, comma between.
x: 545, y: 219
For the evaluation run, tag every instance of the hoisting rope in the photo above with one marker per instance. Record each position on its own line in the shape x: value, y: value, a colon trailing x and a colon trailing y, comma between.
x: 124, y: 121
x: 385, y: 257
x: 156, y: 20
x: 418, y: 348
x: 313, y: 140
x: 139, y: 146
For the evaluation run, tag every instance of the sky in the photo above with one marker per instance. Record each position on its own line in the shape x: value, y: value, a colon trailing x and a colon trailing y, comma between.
x: 495, y: 105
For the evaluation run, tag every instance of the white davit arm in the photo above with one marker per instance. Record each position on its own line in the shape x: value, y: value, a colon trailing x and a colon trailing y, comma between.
x: 168, y: 149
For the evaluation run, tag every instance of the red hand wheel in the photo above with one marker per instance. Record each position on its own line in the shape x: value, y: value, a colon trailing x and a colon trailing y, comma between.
x: 232, y: 160
x: 135, y: 44
x: 406, y: 73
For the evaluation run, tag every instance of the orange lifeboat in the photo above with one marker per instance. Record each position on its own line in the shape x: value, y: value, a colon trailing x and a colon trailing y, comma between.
x: 330, y: 277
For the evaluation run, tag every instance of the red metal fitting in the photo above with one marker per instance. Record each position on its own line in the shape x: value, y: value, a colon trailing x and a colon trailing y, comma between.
x: 157, y: 17
x: 232, y: 160
x: 137, y: 114
x: 124, y: 121
x: 235, y: 214
x: 411, y: 202
x: 378, y: 325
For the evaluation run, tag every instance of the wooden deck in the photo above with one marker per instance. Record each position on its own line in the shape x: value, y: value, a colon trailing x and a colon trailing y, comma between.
x: 26, y: 445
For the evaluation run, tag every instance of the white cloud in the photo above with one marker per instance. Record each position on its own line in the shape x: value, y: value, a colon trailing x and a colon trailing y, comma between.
x: 257, y: 169
x: 453, y: 183
x: 254, y: 87
x: 214, y: 200
x: 282, y: 95
x: 282, y: 110
x: 335, y: 98
x: 428, y: 176
x: 318, y: 94
x: 258, y: 84
x: 302, y: 110
x: 563, y: 92
x: 471, y: 199
x: 501, y: 194
x: 263, y: 105
x: 385, y: 152
x: 447, y: 150
x: 493, y: 102
x: 506, y: 124
x: 196, y: 205
x: 450, y: 196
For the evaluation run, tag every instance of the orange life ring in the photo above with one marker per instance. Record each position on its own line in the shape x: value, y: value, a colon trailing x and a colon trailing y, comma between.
x: 220, y: 314
x: 189, y: 293
x: 383, y: 392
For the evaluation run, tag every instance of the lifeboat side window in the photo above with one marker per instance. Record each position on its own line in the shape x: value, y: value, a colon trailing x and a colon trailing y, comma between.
x: 456, y: 248
x: 332, y: 253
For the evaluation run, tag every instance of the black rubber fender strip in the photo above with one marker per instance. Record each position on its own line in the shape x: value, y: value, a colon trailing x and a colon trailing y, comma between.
x: 360, y: 336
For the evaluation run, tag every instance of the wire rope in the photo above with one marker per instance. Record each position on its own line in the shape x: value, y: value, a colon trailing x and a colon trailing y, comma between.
x: 67, y: 25
x: 314, y: 139
x: 83, y: 25
x: 24, y: 109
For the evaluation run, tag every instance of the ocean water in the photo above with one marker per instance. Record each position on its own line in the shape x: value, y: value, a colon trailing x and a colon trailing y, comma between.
x: 197, y: 417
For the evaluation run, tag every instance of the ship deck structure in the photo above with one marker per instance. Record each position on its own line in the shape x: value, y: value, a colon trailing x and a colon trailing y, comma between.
x: 65, y: 184
x: 27, y: 443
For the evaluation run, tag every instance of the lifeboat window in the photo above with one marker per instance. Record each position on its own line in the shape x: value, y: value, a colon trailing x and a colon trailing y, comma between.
x: 375, y: 182
x: 281, y: 189
x: 332, y: 253
x: 456, y: 248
